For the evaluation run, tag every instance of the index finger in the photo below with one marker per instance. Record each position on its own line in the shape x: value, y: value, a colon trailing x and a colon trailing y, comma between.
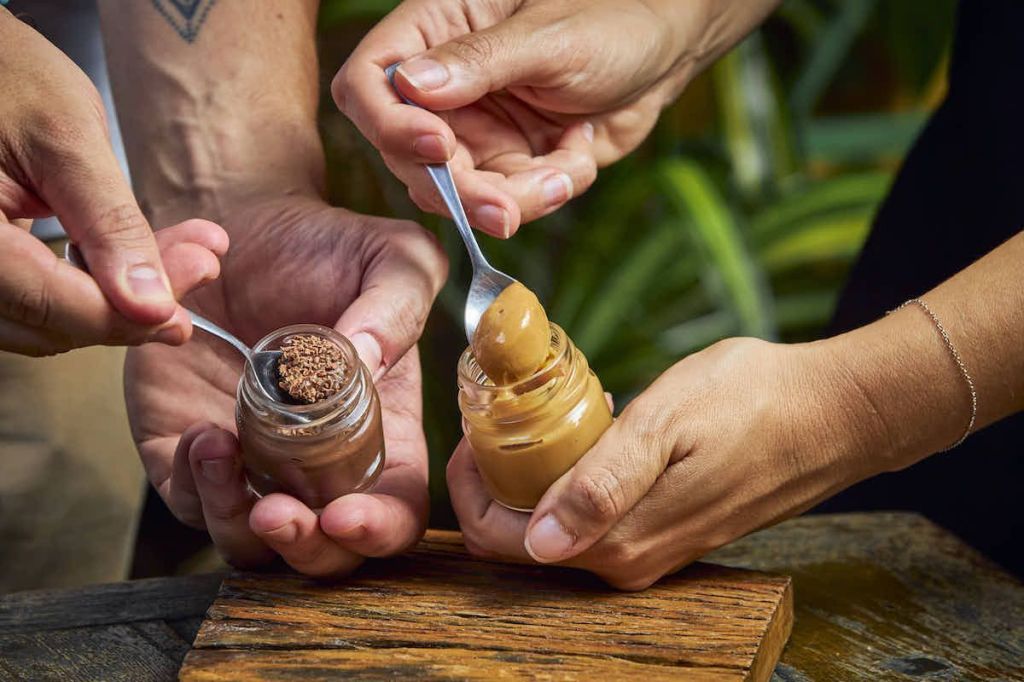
x: 489, y: 529
x: 363, y: 93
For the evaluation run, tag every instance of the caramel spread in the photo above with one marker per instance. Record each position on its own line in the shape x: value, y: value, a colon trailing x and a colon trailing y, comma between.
x: 519, y: 466
x: 512, y: 338
x: 526, y: 435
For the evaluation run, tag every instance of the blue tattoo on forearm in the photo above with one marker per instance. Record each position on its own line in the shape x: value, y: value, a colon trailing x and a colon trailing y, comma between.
x: 186, y: 16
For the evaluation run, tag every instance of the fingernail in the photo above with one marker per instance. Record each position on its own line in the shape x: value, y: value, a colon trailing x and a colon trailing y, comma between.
x: 217, y: 471
x: 425, y: 74
x: 557, y: 189
x: 493, y: 219
x: 146, y: 282
x: 588, y: 131
x: 368, y: 349
x: 548, y: 541
x: 430, y: 147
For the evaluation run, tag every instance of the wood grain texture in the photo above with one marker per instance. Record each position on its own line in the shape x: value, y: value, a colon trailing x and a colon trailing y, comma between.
x: 889, y: 596
x: 163, y: 598
x: 438, y: 613
x: 879, y: 596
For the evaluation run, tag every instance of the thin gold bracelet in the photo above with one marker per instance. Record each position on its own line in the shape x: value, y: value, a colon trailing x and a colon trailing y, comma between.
x: 959, y: 363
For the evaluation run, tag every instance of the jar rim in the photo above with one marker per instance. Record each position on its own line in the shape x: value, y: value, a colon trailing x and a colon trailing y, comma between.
x: 314, y: 412
x: 471, y: 372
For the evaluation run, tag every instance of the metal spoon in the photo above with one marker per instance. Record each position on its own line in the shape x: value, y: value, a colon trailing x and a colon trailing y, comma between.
x: 264, y: 363
x: 487, y: 281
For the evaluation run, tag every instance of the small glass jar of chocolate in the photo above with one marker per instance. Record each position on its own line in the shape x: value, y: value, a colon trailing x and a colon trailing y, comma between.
x: 531, y: 406
x: 328, y: 441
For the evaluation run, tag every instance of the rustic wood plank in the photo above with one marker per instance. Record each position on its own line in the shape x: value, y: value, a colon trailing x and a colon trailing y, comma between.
x: 109, y: 652
x: 210, y: 665
x: 889, y: 596
x: 857, y: 569
x: 440, y: 609
x: 137, y: 600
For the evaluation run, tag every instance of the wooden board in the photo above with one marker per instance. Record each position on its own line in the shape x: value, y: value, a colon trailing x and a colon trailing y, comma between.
x: 437, y: 613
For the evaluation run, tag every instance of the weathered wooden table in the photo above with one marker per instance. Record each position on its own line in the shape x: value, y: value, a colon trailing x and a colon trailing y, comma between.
x: 878, y: 596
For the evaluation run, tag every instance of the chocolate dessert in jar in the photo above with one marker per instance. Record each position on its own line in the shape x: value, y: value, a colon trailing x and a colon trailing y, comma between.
x: 328, y: 441
x: 531, y: 406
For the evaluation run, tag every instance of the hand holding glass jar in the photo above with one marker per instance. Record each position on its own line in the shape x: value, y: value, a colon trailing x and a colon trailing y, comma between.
x: 183, y: 403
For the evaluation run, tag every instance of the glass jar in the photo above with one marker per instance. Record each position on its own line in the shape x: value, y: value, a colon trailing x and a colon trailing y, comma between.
x: 526, y: 435
x: 316, y: 452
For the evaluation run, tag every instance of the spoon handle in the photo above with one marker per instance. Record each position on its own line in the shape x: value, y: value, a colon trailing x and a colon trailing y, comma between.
x: 211, y: 328
x: 73, y: 255
x: 441, y: 174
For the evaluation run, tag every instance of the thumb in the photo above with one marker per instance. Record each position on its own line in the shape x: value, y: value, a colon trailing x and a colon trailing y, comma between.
x: 466, y: 68
x: 384, y: 322
x: 397, y: 291
x: 593, y: 496
x: 97, y: 208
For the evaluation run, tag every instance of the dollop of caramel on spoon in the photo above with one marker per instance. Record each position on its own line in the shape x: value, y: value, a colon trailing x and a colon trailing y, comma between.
x: 512, y: 339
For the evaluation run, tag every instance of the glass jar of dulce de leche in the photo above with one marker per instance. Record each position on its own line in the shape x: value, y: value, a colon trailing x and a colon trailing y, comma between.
x: 526, y: 435
x: 319, y: 451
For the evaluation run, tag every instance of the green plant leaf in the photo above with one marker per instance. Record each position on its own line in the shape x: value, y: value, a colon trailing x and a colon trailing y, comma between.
x: 757, y: 132
x: 333, y: 12
x: 654, y: 253
x: 860, y: 190
x: 834, y: 237
x: 718, y: 239
x: 862, y: 138
x: 827, y: 54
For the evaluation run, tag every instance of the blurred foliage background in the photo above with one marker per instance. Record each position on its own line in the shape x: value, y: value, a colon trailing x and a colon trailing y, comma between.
x: 740, y: 215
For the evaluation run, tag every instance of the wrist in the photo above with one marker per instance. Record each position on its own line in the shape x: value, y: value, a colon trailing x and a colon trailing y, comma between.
x: 215, y: 166
x: 702, y: 31
x: 895, y: 388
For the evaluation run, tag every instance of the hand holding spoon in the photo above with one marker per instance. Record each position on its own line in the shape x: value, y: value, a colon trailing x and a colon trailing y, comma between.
x: 264, y: 363
x: 487, y: 282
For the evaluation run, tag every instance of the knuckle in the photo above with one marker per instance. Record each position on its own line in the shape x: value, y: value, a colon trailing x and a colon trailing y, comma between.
x: 474, y: 49
x: 310, y: 560
x: 425, y: 201
x: 192, y: 518
x: 478, y: 550
x: 623, y: 564
x: 650, y: 426
x: 629, y: 583
x: 599, y: 495
x: 587, y: 176
x: 31, y: 305
x: 226, y: 509
x: 621, y: 556
x: 121, y: 227
x: 407, y: 319
x: 59, y: 132
x: 340, y: 86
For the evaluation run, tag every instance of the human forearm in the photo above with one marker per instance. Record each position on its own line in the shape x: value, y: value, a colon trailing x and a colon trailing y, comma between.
x: 229, y: 114
x: 905, y: 393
